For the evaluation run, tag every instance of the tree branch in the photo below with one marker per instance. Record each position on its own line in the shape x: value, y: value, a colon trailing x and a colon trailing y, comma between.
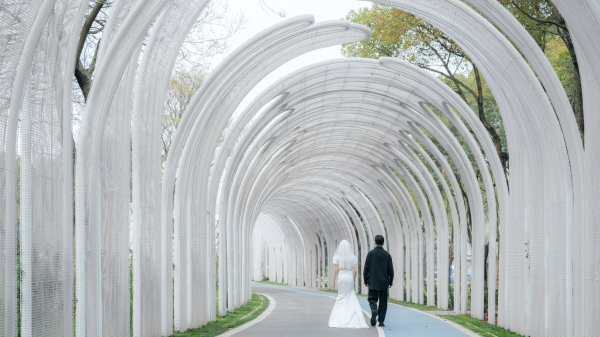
x: 548, y: 22
x: 563, y: 36
x: 495, y: 138
x: 92, y: 66
x: 88, y: 25
x: 82, y: 79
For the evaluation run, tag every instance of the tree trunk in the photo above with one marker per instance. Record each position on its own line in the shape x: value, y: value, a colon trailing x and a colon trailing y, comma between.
x: 83, y: 75
x: 576, y: 93
x: 489, y: 127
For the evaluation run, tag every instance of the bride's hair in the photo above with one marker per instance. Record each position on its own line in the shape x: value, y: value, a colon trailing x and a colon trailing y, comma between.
x: 344, y: 256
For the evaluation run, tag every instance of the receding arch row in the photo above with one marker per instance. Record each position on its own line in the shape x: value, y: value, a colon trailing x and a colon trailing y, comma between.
x: 247, y: 65
x: 537, y: 144
x: 366, y: 173
x: 546, y: 210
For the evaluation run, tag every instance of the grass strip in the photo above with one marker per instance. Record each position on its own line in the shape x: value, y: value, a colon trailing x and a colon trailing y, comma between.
x: 333, y: 291
x: 246, y: 313
x: 271, y: 283
x: 473, y: 324
x: 480, y: 327
x: 417, y: 306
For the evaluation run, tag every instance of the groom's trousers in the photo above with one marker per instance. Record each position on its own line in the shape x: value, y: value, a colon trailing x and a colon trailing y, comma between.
x: 382, y: 297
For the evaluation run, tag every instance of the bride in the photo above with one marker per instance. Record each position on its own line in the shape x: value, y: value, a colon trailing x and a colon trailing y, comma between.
x: 346, y: 312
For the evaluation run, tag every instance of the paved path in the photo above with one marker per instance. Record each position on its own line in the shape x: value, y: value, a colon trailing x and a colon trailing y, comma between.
x: 304, y: 312
x: 299, y: 314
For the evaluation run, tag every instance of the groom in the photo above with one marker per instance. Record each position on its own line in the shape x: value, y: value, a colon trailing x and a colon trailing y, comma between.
x: 378, y: 274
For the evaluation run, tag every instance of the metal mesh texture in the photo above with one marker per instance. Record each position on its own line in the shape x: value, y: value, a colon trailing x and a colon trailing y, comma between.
x: 333, y: 151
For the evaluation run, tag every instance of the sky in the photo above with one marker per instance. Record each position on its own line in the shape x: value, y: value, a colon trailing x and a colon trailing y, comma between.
x: 259, y: 18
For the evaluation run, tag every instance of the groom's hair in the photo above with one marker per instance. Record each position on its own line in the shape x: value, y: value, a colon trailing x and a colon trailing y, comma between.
x: 379, y: 240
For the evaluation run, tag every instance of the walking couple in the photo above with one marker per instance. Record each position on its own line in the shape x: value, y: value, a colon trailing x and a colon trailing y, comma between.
x: 378, y: 275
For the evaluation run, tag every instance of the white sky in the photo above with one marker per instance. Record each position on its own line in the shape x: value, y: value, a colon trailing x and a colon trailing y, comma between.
x: 260, y: 18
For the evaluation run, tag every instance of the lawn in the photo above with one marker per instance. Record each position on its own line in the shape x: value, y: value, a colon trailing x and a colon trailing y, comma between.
x: 246, y: 313
x: 417, y: 306
x: 333, y: 291
x: 402, y: 303
x: 480, y: 326
x: 468, y: 322
x: 272, y: 283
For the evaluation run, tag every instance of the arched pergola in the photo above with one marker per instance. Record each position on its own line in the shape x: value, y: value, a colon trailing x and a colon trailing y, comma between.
x: 341, y: 149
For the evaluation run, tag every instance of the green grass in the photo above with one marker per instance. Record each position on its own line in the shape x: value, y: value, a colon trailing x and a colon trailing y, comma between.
x: 402, y: 303
x: 480, y: 326
x: 333, y: 291
x: 417, y: 306
x: 246, y: 313
x: 272, y: 283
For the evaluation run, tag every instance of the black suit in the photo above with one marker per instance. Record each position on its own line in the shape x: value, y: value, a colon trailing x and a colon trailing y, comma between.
x: 378, y: 274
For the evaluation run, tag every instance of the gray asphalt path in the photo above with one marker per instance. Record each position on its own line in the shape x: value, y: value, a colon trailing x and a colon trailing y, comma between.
x: 299, y: 314
x: 305, y: 312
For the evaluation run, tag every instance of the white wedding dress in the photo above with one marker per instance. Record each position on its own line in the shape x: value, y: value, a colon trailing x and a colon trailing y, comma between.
x: 346, y: 312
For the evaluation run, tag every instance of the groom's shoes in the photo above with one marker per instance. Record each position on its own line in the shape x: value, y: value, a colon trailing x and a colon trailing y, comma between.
x: 381, y: 324
x: 373, y: 317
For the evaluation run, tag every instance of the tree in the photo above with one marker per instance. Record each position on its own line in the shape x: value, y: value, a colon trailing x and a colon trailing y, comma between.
x: 210, y: 36
x: 92, y: 28
x: 399, y: 34
x: 549, y: 29
x: 182, y: 86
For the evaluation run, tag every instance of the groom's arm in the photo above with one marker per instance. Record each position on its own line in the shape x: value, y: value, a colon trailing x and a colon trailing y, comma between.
x: 366, y: 270
x: 390, y: 270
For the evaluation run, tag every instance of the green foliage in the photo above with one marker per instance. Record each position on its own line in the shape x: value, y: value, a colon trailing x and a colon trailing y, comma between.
x: 417, y: 306
x: 272, y: 283
x: 246, y: 313
x: 480, y: 326
x: 530, y: 13
x: 18, y: 192
x: 546, y: 25
x: 399, y: 34
x: 182, y: 86
x: 130, y: 293
x: 19, y: 275
x: 559, y: 56
x: 485, y: 299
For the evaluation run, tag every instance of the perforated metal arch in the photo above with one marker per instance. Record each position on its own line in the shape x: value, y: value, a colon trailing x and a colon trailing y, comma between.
x: 336, y: 150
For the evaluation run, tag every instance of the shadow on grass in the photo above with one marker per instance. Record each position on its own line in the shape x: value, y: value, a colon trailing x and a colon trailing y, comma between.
x: 246, y: 313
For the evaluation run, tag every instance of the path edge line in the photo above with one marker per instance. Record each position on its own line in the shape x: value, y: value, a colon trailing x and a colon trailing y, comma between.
x: 380, y: 331
x: 259, y: 318
x: 457, y: 326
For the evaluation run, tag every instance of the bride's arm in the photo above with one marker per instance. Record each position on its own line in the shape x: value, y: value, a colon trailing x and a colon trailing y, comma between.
x: 354, y: 272
x: 335, y: 273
